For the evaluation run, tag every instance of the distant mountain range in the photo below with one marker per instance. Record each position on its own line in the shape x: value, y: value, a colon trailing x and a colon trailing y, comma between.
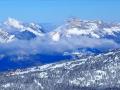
x: 27, y: 44
x: 73, y: 27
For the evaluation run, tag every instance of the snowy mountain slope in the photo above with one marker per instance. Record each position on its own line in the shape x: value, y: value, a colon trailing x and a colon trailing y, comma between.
x: 72, y: 28
x: 99, y: 72
x: 5, y: 37
x: 14, y: 23
x: 93, y: 29
x: 31, y: 30
x: 32, y: 27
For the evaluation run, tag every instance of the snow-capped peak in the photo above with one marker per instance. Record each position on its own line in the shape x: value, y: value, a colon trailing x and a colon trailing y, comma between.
x: 17, y: 26
x: 76, y: 27
x: 5, y: 37
x: 89, y: 28
x: 14, y: 23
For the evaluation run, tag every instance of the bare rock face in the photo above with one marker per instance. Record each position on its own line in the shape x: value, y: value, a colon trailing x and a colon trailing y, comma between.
x: 101, y: 72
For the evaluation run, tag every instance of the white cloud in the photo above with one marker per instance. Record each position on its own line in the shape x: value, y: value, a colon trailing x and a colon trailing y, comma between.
x: 47, y: 46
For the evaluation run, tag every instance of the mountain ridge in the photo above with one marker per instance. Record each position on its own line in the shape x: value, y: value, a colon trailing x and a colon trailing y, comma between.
x: 96, y: 72
x: 27, y: 44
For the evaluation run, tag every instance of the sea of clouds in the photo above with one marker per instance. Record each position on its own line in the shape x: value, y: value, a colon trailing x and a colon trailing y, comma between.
x: 45, y: 45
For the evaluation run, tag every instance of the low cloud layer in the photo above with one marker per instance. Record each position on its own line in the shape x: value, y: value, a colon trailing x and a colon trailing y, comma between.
x: 47, y: 46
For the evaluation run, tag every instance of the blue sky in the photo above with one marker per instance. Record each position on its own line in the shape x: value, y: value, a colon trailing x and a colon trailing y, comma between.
x: 58, y: 10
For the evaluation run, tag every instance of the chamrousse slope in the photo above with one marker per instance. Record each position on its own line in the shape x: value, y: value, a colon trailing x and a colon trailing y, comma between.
x: 100, y: 72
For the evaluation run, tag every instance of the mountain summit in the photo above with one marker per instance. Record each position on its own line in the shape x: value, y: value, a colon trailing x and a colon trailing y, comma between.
x: 21, y: 30
x: 90, y: 28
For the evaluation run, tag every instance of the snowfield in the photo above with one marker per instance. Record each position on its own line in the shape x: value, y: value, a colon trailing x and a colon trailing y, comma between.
x: 99, y: 72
